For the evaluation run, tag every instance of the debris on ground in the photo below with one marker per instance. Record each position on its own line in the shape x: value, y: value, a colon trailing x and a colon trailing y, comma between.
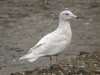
x: 84, y: 64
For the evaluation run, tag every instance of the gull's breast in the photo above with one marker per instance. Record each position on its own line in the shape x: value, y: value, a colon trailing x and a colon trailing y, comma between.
x: 57, y: 45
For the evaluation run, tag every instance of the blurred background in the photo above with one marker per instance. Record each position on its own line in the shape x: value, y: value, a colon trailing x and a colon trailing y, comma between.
x: 24, y: 22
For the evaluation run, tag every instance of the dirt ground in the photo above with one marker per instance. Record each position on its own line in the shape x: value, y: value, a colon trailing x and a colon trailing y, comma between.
x: 86, y: 63
x: 24, y: 22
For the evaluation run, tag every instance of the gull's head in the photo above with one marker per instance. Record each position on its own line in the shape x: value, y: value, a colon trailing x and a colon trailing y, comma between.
x: 67, y: 15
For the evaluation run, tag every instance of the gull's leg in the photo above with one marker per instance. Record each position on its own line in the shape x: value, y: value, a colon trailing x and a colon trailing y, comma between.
x: 57, y: 61
x: 51, y: 62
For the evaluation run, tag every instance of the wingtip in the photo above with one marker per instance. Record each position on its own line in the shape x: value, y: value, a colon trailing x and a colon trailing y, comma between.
x: 32, y: 59
x: 21, y: 58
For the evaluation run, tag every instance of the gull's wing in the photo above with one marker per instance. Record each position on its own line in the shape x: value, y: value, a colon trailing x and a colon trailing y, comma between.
x: 46, y: 41
x: 41, y: 46
x: 32, y: 52
x: 35, y: 47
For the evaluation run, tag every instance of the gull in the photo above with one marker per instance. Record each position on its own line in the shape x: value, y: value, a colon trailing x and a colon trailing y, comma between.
x: 55, y: 42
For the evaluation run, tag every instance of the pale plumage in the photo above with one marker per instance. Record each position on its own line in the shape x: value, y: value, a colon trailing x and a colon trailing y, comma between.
x: 55, y: 42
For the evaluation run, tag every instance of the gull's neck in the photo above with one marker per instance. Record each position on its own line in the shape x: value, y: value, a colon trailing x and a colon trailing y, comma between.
x: 64, y: 26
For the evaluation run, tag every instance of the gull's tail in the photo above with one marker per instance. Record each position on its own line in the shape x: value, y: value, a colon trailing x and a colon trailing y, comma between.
x: 33, y: 54
x: 30, y: 57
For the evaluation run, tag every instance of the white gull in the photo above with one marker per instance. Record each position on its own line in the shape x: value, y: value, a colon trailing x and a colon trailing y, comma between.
x: 55, y: 42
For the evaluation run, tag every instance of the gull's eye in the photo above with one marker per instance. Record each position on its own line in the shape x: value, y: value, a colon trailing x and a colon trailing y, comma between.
x: 66, y: 14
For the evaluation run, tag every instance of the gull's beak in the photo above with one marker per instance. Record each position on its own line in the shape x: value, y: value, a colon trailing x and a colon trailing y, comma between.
x: 75, y: 16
